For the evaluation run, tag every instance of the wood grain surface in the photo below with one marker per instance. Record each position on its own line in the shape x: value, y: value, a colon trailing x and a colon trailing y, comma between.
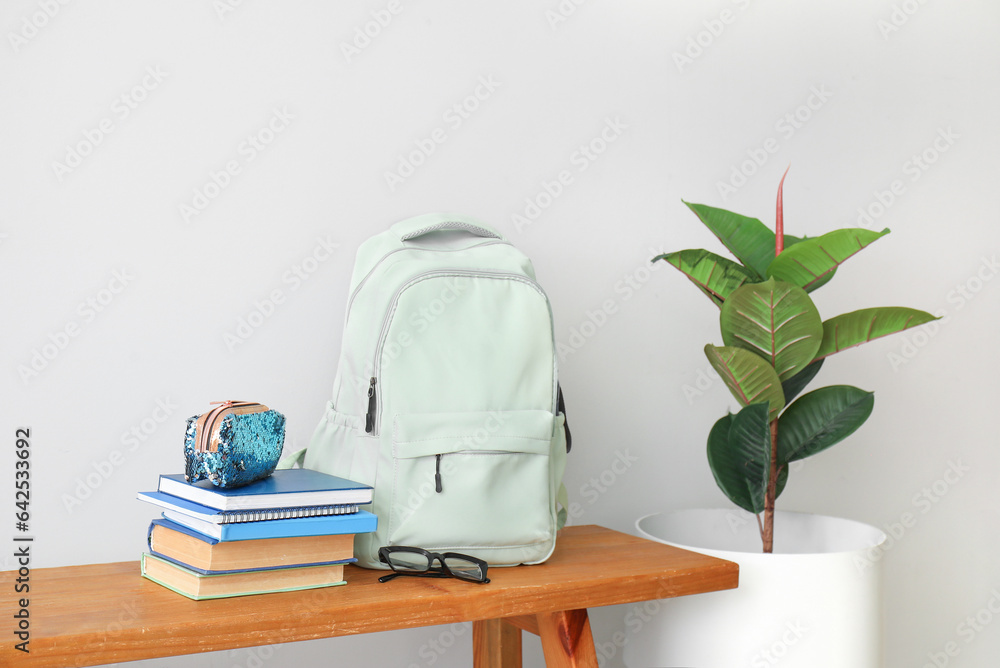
x: 105, y: 613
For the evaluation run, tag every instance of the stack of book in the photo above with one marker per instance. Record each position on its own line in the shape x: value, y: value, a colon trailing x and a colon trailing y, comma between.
x: 292, y: 530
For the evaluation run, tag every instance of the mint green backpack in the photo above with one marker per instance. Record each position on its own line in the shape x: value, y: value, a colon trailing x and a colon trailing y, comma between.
x: 446, y: 398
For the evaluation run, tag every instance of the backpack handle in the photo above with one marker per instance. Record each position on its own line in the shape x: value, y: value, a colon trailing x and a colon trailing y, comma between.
x: 412, y: 228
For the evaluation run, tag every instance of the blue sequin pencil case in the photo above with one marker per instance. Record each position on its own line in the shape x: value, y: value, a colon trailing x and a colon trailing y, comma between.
x: 234, y: 444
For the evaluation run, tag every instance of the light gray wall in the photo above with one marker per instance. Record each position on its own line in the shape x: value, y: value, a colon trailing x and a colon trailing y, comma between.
x: 125, y: 302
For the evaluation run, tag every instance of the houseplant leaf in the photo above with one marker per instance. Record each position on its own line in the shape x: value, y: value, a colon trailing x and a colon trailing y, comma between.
x: 811, y: 262
x: 739, y: 454
x: 748, y: 376
x: 791, y: 241
x: 797, y: 383
x: 820, y: 419
x: 775, y: 320
x: 857, y: 327
x: 714, y: 275
x: 747, y: 238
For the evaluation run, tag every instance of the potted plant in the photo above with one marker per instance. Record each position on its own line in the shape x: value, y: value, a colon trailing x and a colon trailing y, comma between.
x: 774, y: 342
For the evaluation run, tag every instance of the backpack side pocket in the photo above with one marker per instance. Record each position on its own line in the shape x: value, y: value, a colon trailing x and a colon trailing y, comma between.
x: 338, y: 448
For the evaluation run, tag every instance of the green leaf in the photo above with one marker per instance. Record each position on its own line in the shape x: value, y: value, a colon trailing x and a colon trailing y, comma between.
x: 810, y: 263
x: 729, y: 481
x: 797, y: 383
x: 715, y: 276
x: 791, y: 241
x: 739, y: 454
x: 775, y: 320
x: 747, y: 238
x: 857, y: 327
x: 820, y: 419
x: 748, y: 376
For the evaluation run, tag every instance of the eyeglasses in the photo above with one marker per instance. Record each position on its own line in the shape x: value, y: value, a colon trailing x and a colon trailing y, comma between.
x: 416, y: 561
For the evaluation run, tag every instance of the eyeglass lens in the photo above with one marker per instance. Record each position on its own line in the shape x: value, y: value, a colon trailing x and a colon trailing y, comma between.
x: 409, y: 561
x: 463, y: 568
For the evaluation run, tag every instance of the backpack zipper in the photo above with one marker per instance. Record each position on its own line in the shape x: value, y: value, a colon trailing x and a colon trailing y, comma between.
x: 370, y: 415
x: 438, y: 457
x: 382, y: 259
x: 374, y: 406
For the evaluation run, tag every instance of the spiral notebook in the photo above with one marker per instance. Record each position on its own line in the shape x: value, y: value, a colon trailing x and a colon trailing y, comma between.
x: 216, y: 516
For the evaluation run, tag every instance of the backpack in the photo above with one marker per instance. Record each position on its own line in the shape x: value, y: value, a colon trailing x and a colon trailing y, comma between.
x: 446, y: 398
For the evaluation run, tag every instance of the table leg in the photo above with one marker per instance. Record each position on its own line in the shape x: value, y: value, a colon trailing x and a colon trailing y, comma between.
x: 496, y: 644
x: 567, y: 641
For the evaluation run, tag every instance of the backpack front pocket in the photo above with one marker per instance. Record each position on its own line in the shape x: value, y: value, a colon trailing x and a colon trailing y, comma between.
x: 472, y: 480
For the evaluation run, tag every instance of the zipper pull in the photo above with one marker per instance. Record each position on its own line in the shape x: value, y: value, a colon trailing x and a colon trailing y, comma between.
x: 437, y: 476
x: 370, y: 416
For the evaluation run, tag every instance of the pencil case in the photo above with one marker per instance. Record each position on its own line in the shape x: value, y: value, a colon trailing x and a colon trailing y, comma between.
x: 234, y: 444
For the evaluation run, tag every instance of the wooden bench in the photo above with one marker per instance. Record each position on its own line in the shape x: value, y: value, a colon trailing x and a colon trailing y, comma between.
x: 106, y: 613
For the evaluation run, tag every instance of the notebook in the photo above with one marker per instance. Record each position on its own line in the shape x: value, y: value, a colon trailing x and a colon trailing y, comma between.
x: 283, y: 488
x: 216, y: 516
x: 359, y: 522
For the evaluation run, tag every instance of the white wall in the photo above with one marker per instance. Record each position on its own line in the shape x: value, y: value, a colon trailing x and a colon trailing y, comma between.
x: 886, y: 80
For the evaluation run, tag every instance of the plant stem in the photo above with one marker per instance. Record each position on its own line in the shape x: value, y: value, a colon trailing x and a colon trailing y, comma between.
x: 772, y: 491
x: 767, y: 531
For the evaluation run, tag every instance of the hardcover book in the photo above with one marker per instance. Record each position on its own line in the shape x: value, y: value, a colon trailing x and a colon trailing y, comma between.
x: 206, y: 555
x: 199, y: 586
x: 283, y: 488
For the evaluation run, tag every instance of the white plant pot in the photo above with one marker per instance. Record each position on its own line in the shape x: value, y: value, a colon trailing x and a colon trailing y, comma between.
x: 816, y: 602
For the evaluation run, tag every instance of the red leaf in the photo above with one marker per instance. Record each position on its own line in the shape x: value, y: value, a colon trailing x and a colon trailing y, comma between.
x: 779, y: 223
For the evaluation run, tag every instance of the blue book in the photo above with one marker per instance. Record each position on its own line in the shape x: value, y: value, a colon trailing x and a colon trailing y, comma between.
x: 283, y: 488
x: 186, y: 547
x: 216, y: 516
x: 359, y: 522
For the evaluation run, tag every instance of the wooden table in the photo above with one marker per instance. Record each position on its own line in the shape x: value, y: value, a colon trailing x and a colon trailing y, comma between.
x: 106, y: 613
